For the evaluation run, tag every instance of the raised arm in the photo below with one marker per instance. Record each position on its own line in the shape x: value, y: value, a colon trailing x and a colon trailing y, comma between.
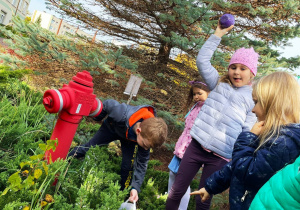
x: 206, y: 70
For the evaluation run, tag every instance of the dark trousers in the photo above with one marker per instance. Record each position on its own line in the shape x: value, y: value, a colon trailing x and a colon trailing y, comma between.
x: 103, y: 137
x: 194, y: 158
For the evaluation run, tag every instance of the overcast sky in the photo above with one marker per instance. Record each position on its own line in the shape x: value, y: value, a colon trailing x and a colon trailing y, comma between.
x: 287, y: 52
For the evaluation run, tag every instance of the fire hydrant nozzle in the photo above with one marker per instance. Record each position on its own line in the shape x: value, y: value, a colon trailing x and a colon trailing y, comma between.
x: 72, y: 102
x: 47, y: 102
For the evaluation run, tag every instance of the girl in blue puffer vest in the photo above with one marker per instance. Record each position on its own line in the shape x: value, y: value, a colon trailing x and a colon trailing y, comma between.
x: 225, y: 114
x: 272, y: 143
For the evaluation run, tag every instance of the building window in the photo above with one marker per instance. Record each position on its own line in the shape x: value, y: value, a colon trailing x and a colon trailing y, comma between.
x: 2, y: 16
x: 25, y: 7
x: 14, y: 2
x: 20, y: 4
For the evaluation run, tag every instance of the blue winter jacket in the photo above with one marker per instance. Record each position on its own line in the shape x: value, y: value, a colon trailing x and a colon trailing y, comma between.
x: 249, y: 171
x: 226, y: 112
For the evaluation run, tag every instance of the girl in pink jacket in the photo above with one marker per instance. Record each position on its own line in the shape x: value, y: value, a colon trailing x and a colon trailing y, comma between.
x: 197, y: 95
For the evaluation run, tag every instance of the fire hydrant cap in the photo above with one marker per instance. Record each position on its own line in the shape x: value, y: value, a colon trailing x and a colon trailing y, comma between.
x: 84, y: 78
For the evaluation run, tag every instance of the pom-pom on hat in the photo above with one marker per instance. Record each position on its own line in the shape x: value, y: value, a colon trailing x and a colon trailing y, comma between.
x: 247, y: 57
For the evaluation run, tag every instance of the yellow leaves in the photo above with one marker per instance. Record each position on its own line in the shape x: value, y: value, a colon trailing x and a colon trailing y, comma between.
x: 45, y: 168
x: 32, y: 177
x: 51, y: 144
x: 5, y: 191
x: 22, y: 164
x: 43, y: 203
x: 37, y: 157
x: 188, y: 62
x: 25, y: 172
x: 37, y: 173
x: 49, y: 198
x: 73, y: 144
x: 164, y: 92
x: 176, y: 82
x: 15, y: 181
x: 115, y: 147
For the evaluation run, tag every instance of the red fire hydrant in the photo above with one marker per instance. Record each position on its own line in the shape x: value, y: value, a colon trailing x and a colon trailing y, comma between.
x: 73, y: 101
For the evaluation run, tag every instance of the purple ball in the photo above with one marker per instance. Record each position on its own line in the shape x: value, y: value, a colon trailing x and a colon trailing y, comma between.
x: 227, y: 20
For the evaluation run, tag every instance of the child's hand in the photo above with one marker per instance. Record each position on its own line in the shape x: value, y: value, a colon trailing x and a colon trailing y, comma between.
x: 203, y: 194
x: 257, y: 127
x: 222, y: 31
x: 134, y: 197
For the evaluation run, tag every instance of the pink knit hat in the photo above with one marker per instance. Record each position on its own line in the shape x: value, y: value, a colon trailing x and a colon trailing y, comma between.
x: 247, y: 57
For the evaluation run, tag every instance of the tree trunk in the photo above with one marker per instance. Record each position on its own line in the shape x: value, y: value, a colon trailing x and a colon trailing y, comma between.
x: 164, y: 53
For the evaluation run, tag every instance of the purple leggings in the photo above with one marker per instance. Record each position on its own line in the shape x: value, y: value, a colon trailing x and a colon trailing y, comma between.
x: 194, y: 157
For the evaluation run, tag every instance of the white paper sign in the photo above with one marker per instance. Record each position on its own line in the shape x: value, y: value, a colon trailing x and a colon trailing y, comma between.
x: 133, y: 85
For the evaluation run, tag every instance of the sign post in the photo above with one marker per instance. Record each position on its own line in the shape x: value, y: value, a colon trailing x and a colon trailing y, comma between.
x: 133, y: 86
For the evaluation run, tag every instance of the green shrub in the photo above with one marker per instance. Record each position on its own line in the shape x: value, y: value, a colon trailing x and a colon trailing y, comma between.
x: 21, y: 116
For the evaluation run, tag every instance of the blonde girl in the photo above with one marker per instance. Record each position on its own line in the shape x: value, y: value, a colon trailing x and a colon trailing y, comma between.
x: 273, y: 142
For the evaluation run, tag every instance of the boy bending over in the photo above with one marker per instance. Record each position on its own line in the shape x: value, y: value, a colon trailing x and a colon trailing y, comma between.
x: 138, y: 130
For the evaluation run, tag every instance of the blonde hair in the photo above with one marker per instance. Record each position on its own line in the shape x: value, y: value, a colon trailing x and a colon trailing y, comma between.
x: 155, y: 130
x: 279, y: 97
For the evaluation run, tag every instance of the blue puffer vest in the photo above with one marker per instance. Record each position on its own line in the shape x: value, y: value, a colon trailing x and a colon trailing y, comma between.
x: 226, y: 112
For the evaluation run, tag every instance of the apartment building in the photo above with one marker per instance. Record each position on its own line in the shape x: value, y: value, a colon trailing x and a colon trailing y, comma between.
x: 8, y: 8
x: 57, y: 25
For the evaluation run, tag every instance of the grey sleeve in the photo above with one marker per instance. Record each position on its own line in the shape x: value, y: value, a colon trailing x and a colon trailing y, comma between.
x: 206, y: 70
x: 113, y: 109
x: 140, y: 168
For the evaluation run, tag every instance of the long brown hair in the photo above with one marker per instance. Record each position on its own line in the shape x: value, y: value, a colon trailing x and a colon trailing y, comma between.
x: 279, y: 97
x: 198, y: 83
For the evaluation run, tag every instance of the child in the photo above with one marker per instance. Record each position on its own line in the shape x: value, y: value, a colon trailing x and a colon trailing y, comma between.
x: 138, y: 130
x: 224, y: 115
x: 273, y: 142
x: 197, y: 95
x: 282, y: 191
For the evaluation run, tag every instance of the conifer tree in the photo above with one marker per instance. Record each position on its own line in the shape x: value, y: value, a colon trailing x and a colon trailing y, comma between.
x: 186, y: 24
x: 31, y: 46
